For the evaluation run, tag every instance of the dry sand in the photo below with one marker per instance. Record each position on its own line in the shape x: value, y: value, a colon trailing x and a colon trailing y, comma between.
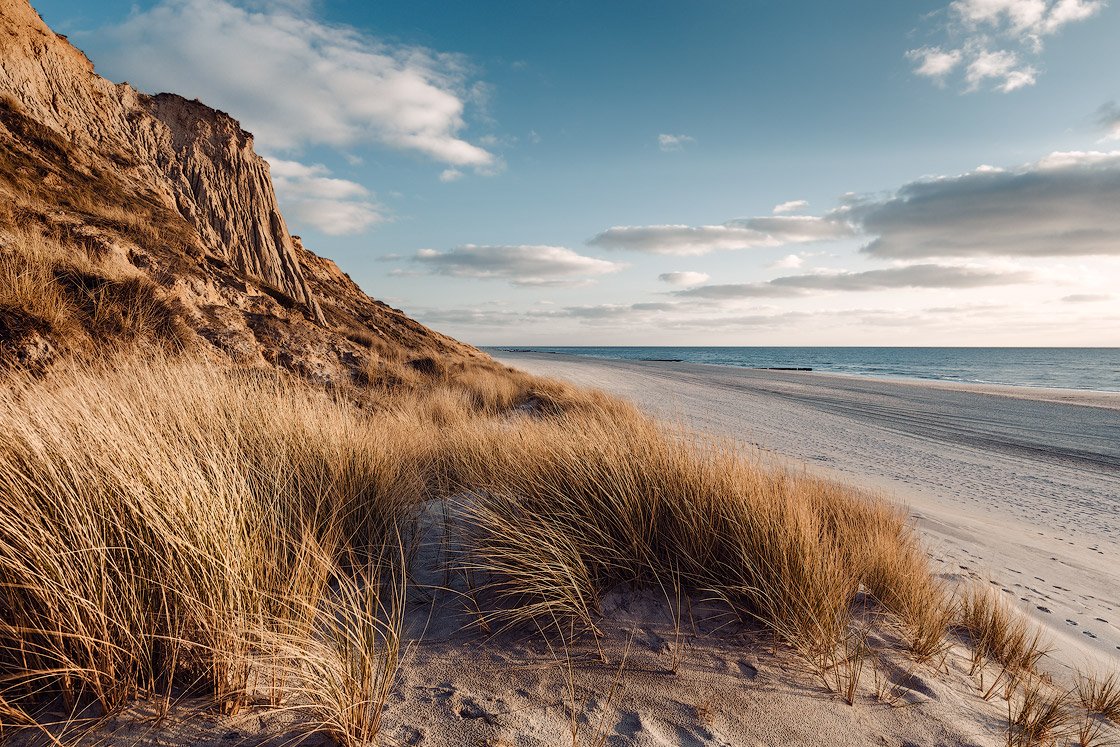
x: 1014, y: 484
x: 665, y: 673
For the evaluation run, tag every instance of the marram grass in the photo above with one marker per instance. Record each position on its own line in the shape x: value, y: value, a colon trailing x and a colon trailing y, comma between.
x: 168, y: 526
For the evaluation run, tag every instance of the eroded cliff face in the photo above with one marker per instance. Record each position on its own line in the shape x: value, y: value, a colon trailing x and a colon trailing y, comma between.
x: 224, y: 189
x: 196, y: 159
x: 117, y: 203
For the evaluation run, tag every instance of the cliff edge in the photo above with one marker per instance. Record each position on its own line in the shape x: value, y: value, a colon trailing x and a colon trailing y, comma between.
x: 114, y: 202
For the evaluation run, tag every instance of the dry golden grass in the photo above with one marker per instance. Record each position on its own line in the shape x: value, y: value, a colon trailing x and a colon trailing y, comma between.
x: 999, y: 633
x: 566, y: 506
x: 28, y: 285
x: 1100, y: 695
x: 168, y: 525
x: 334, y: 656
x: 1039, y: 716
x: 66, y: 292
x: 153, y: 518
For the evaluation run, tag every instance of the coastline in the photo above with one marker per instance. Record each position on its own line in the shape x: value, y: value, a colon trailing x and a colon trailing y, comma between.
x: 1066, y: 395
x: 1021, y: 488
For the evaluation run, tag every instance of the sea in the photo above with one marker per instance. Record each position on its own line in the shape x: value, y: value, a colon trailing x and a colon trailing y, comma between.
x: 1096, y: 369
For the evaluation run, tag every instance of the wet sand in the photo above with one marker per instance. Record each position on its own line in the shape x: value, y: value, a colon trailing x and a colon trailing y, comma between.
x: 1012, y: 484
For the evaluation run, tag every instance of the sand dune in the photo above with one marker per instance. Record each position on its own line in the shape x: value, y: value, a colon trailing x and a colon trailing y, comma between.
x: 665, y: 672
x: 1018, y: 485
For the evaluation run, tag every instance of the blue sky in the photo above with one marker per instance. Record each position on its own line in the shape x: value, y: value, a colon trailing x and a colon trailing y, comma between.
x: 587, y: 172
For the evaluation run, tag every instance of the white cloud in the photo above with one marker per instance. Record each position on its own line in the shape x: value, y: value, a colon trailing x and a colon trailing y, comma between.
x: 669, y: 143
x: 1020, y: 15
x: 993, y: 36
x: 309, y: 194
x: 907, y: 276
x: 1031, y: 19
x: 742, y: 233
x: 1001, y: 66
x: 683, y: 278
x: 1062, y: 205
x: 790, y: 206
x: 788, y: 262
x: 1068, y: 11
x: 1087, y: 298
x: 534, y: 265
x: 798, y: 229
x: 935, y: 62
x: 294, y: 80
x: 450, y: 175
x: 680, y: 240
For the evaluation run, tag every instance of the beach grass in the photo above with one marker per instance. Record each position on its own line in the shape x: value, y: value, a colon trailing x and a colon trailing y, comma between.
x: 171, y: 527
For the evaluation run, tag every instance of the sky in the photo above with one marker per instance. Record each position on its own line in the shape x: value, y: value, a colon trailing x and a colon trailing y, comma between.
x: 711, y: 172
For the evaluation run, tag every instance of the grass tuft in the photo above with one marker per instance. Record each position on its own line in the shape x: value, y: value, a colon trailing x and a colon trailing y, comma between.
x: 1100, y: 695
x: 998, y: 632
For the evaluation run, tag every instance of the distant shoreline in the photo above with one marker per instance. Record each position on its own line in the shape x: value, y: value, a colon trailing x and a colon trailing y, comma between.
x: 1097, y: 397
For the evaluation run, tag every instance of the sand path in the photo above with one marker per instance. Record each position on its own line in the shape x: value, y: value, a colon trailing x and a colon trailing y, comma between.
x: 1018, y: 485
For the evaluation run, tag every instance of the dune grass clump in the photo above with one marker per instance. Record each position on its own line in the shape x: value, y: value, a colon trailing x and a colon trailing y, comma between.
x: 564, y: 507
x: 1100, y: 695
x: 65, y: 288
x: 333, y: 655
x: 998, y: 633
x: 1041, y: 716
x: 151, y: 520
x: 28, y: 284
x: 898, y: 577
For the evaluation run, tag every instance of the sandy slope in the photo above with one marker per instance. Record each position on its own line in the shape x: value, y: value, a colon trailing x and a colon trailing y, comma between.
x: 1016, y: 484
x: 666, y: 672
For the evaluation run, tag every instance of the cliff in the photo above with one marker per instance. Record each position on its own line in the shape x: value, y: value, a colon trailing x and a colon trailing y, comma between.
x: 108, y: 195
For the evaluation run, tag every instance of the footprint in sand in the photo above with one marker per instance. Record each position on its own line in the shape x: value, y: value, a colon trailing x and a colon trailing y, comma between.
x: 696, y: 736
x: 629, y: 725
x: 1071, y: 622
x: 469, y: 708
x: 1090, y: 634
x: 1044, y: 609
x: 656, y: 643
x: 748, y: 670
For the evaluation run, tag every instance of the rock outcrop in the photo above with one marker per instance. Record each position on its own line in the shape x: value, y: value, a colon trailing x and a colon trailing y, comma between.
x: 170, y: 192
x: 199, y: 160
x: 224, y: 190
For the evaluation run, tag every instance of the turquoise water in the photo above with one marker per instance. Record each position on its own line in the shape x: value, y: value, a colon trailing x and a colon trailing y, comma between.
x: 1068, y: 368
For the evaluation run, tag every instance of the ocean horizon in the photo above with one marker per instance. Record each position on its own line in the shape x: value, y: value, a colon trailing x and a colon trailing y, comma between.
x: 1094, y: 369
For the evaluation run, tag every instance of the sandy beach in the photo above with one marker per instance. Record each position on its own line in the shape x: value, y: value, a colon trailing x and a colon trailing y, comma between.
x: 1016, y: 485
